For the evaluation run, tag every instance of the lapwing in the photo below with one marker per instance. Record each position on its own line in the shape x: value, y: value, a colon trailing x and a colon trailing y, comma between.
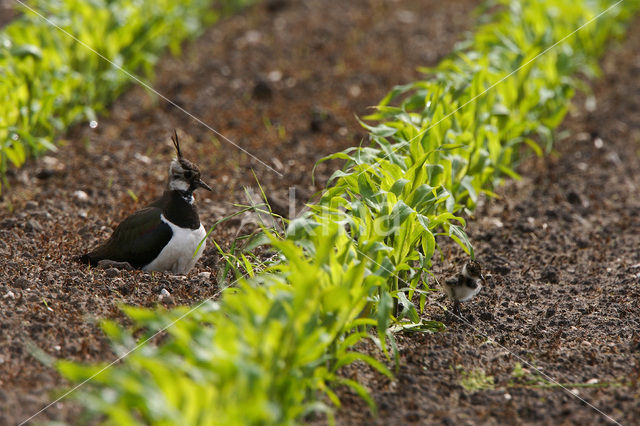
x: 465, y: 286
x: 164, y: 235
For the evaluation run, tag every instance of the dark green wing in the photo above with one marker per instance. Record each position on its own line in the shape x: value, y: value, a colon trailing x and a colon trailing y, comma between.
x: 138, y: 240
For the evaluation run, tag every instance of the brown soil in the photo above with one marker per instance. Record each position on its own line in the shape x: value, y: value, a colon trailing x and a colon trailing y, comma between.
x: 561, y: 249
x: 284, y: 80
x: 7, y: 11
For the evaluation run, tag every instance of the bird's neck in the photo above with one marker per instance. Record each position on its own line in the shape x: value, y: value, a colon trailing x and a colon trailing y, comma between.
x: 186, y: 195
x: 179, y: 208
x: 465, y: 272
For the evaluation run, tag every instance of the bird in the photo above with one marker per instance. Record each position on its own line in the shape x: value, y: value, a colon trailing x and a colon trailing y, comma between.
x: 164, y: 235
x: 465, y: 285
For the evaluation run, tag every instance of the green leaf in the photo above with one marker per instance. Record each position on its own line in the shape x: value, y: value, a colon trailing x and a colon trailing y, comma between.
x: 361, y: 391
x: 399, y: 214
x: 351, y: 357
x: 398, y: 186
x: 408, y: 308
x: 534, y: 146
x: 27, y: 50
x: 383, y: 316
x: 458, y: 234
x: 256, y: 241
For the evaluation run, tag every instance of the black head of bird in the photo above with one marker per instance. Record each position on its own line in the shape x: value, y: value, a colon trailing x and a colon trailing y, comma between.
x: 473, y: 270
x: 183, y: 174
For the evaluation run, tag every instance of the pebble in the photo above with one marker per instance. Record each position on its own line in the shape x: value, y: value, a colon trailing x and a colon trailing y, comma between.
x: 276, y: 5
x: 204, y: 275
x: 549, y: 274
x: 50, y: 166
x: 319, y: 117
x: 125, y: 288
x: 52, y: 163
x: 486, y: 316
x: 30, y: 205
x: 9, y: 295
x: 253, y: 36
x: 21, y: 282
x: 262, y: 91
x: 112, y: 272
x: 142, y: 158
x: 164, y: 294
x: 406, y: 16
x: 274, y: 76
x: 81, y: 196
x: 598, y: 143
x: 574, y: 198
x: 8, y: 223
x: 33, y: 226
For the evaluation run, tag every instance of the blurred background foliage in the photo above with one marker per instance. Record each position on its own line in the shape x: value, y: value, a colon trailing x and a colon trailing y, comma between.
x: 49, y: 81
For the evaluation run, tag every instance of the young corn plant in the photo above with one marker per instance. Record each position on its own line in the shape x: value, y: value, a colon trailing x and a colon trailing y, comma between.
x: 262, y: 354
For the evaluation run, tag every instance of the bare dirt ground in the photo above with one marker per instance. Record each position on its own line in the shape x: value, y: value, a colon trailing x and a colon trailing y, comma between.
x: 7, y: 11
x: 561, y: 247
x: 284, y: 80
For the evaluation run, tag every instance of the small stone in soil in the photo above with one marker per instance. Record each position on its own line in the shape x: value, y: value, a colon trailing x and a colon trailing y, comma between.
x: 276, y: 5
x: 204, y: 275
x: 112, y: 272
x: 21, y: 283
x: 8, y: 223
x: 81, y: 196
x: 30, y: 205
x: 33, y: 226
x: 549, y: 274
x: 319, y: 116
x: 125, y: 289
x: 486, y: 316
x: 574, y: 198
x: 164, y: 294
x: 262, y: 91
x: 501, y: 269
x: 106, y: 264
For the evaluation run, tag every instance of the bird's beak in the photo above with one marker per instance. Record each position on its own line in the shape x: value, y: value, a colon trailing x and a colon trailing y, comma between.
x: 201, y: 184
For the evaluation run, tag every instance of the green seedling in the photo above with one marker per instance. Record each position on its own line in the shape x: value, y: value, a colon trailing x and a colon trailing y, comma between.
x: 524, y: 378
x: 475, y: 380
